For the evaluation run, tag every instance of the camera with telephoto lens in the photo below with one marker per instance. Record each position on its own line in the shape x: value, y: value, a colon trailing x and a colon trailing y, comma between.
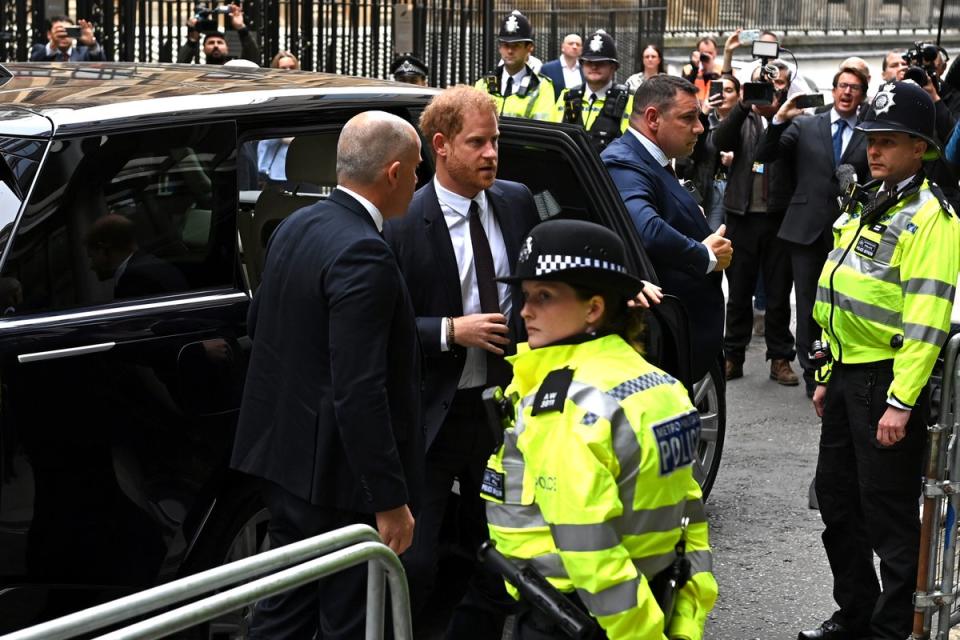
x: 922, y: 58
x: 207, y: 17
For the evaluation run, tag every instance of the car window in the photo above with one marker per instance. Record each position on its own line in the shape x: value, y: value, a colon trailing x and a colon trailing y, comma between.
x: 126, y: 216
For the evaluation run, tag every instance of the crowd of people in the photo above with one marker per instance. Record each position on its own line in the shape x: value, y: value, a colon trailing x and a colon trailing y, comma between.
x: 457, y: 287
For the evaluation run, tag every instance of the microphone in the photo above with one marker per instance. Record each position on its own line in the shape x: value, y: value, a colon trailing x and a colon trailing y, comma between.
x: 846, y: 176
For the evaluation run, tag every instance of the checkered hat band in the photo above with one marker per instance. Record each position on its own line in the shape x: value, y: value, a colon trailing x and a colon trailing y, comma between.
x: 551, y: 263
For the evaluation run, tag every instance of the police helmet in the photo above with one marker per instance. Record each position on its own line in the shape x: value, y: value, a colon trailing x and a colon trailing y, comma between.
x: 903, y: 107
x: 600, y: 48
x: 515, y: 28
x: 406, y: 66
x: 578, y: 253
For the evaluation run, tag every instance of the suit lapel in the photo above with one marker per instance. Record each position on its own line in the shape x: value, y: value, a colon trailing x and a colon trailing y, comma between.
x: 826, y: 136
x: 507, y: 224
x: 856, y: 141
x: 448, y: 273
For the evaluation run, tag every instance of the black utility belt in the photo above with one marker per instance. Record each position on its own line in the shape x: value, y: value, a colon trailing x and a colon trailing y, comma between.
x: 879, y: 365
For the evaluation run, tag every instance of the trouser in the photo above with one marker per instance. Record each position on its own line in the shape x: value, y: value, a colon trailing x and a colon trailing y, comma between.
x: 806, y: 262
x: 460, y: 450
x: 531, y: 624
x: 869, y: 496
x: 758, y: 250
x: 331, y: 608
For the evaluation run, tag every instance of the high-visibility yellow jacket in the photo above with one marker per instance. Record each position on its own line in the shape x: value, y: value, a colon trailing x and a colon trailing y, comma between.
x: 590, y: 111
x: 886, y: 290
x: 593, y: 480
x: 534, y: 100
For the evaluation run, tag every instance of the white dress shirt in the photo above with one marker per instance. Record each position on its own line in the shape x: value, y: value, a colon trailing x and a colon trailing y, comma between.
x: 517, y: 79
x: 369, y: 206
x: 847, y: 133
x: 571, y: 75
x: 661, y: 158
x: 456, y: 213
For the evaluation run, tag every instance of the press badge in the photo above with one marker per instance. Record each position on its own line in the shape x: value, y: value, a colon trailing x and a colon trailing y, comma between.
x: 677, y: 442
x: 758, y: 168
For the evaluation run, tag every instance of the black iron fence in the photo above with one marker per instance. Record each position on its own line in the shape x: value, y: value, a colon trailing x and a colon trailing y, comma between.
x: 456, y: 38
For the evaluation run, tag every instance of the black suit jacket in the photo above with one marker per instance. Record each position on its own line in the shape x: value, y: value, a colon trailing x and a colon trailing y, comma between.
x: 331, y: 402
x: 421, y: 242
x: 808, y: 143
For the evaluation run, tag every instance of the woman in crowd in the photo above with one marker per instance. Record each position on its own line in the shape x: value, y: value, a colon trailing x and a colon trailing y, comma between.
x: 594, y: 483
x: 652, y: 65
x: 286, y: 61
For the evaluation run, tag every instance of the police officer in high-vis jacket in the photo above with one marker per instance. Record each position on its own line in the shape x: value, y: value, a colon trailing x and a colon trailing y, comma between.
x: 516, y: 88
x: 884, y: 300
x: 602, y: 107
x: 594, y: 484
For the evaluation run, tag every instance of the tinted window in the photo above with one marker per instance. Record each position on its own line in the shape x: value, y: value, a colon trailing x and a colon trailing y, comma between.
x: 127, y: 216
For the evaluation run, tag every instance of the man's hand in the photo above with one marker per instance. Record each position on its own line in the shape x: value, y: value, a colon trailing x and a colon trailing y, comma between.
x: 789, y: 110
x: 721, y: 247
x: 726, y: 158
x: 733, y: 41
x: 819, y: 393
x: 695, y: 59
x: 396, y: 528
x: 650, y: 295
x: 192, y: 34
x: 931, y: 89
x: 236, y: 17
x: 87, y: 38
x: 892, y: 426
x: 482, y: 330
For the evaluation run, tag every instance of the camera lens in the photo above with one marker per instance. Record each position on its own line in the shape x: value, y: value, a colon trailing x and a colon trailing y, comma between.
x: 929, y: 53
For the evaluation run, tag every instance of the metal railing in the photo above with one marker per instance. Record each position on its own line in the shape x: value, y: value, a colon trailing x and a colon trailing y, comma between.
x: 306, y: 561
x: 937, y: 580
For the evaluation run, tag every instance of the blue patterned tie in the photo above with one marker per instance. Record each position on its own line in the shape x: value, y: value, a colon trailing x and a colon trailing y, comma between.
x: 838, y: 141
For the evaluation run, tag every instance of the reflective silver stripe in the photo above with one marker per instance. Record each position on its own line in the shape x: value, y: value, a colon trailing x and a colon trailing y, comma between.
x: 617, y: 599
x: 652, y: 565
x: 923, y: 333
x: 584, y: 537
x: 695, y: 511
x: 930, y: 287
x: 515, y: 516
x: 861, y: 309
x: 700, y: 562
x: 549, y: 565
x: 873, y: 269
x: 660, y: 519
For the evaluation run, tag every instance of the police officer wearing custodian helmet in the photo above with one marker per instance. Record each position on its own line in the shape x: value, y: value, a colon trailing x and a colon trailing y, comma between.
x: 593, y: 484
x: 884, y: 299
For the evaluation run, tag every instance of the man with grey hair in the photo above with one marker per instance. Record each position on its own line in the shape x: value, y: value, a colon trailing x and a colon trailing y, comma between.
x: 330, y: 420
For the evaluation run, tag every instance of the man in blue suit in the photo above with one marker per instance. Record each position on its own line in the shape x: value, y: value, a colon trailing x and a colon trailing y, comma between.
x: 60, y: 47
x: 665, y: 124
x: 565, y: 71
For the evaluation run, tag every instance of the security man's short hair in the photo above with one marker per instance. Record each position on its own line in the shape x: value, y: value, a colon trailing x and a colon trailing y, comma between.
x: 660, y: 91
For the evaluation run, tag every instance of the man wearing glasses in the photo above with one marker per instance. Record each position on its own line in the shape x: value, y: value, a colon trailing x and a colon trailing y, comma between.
x: 816, y: 146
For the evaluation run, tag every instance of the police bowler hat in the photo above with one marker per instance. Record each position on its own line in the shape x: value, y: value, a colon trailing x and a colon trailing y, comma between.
x: 600, y: 48
x: 903, y: 107
x: 408, y: 65
x: 515, y: 28
x: 578, y: 253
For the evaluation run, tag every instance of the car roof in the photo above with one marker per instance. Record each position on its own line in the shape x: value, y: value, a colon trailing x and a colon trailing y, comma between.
x: 46, y: 98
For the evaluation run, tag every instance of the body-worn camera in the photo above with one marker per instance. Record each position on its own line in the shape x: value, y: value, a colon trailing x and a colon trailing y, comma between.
x: 207, y: 17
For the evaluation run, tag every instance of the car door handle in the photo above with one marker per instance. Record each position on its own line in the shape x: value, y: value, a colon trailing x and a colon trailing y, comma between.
x: 56, y: 354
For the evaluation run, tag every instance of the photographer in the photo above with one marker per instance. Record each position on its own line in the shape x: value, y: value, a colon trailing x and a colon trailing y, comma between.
x: 215, y: 49
x: 61, y: 44
x: 703, y: 67
x: 756, y: 198
x: 815, y: 146
x: 746, y: 72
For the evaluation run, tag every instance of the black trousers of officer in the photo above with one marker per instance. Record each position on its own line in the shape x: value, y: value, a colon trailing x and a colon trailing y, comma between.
x: 758, y: 251
x: 869, y: 497
x: 333, y: 608
x: 460, y: 450
x: 806, y: 261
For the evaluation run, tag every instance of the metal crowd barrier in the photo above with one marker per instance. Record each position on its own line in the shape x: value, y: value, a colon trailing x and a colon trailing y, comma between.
x: 274, y: 571
x: 937, y: 577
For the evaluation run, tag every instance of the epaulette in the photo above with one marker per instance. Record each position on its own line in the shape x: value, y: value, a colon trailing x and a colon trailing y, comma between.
x: 552, y: 392
x: 941, y: 198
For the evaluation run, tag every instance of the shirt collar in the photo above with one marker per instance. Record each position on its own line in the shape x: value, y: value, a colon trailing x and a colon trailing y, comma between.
x: 651, y: 147
x: 563, y: 63
x: 456, y: 202
x: 51, y: 51
x: 834, y: 116
x: 518, y: 76
x: 369, y: 206
x: 602, y: 94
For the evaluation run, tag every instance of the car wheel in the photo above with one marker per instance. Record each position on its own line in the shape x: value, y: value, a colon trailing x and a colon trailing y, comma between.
x: 709, y: 399
x: 236, y: 529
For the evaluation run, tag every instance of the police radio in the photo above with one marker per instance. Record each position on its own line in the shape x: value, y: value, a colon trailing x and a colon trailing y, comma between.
x: 493, y: 84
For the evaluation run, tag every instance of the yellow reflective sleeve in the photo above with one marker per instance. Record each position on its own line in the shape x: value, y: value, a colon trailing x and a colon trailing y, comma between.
x: 693, y: 604
x: 626, y: 115
x: 928, y: 273
x: 822, y: 374
x: 544, y: 102
x: 556, y: 115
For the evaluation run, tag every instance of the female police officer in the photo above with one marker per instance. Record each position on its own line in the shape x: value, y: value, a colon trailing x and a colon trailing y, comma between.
x: 593, y: 485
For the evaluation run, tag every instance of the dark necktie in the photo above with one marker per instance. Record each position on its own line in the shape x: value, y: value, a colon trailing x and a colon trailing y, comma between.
x: 509, y: 89
x: 498, y: 372
x: 838, y: 141
x: 669, y: 169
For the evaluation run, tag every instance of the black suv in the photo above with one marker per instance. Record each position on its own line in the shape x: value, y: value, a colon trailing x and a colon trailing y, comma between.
x: 135, y: 204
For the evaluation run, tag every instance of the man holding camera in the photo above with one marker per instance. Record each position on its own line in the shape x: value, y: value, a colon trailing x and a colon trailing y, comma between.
x: 816, y: 146
x: 215, y: 48
x: 884, y: 300
x: 61, y: 45
x: 703, y: 66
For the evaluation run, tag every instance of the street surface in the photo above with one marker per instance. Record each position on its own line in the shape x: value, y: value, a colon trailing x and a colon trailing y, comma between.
x: 773, y: 573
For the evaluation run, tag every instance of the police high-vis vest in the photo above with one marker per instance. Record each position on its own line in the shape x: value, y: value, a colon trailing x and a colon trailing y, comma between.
x: 886, y: 290
x: 607, y: 116
x: 593, y: 480
x: 533, y: 99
